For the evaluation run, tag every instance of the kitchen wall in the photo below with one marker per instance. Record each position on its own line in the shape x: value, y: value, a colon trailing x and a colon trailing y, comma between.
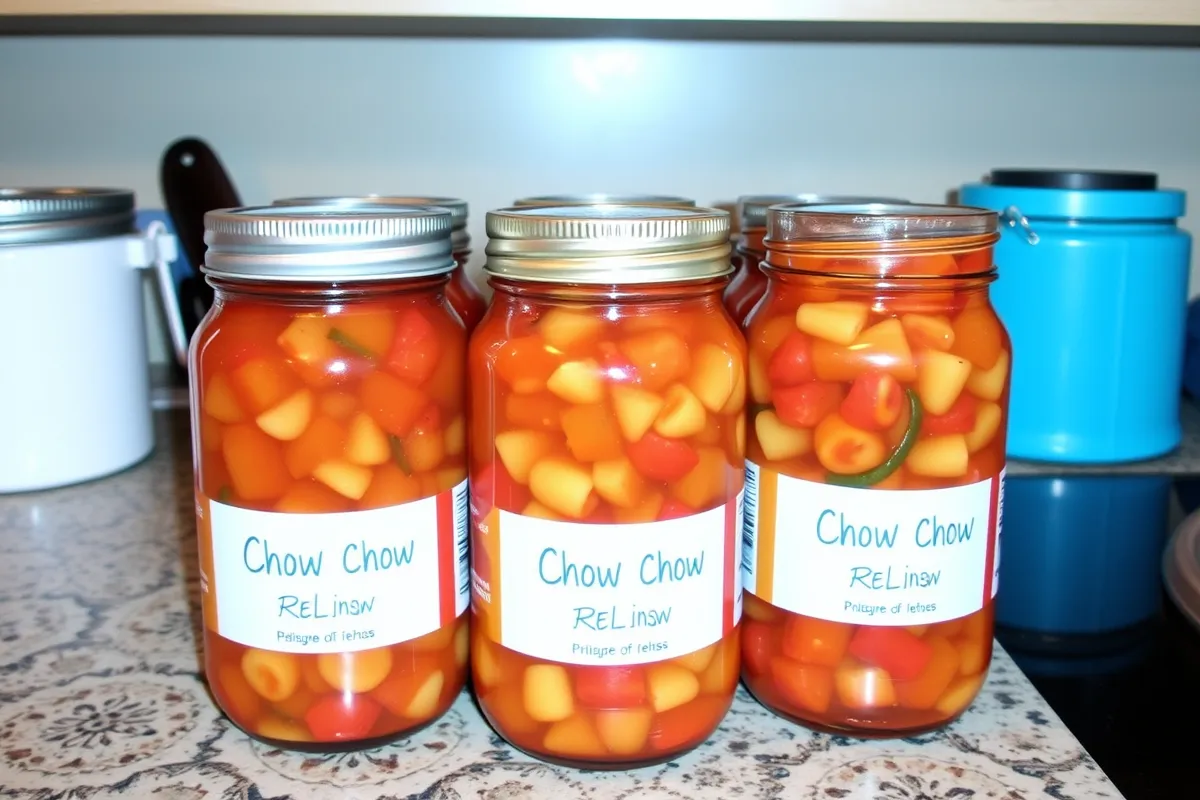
x: 493, y: 119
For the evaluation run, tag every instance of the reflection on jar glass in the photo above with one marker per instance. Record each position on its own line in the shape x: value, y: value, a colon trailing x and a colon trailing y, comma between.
x: 329, y: 440
x: 879, y: 379
x: 607, y: 433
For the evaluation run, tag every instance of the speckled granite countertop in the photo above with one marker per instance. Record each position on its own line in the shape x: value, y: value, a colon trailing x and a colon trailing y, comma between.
x: 100, y: 694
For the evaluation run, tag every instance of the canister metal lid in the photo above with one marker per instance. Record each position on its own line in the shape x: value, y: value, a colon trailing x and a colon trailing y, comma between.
x: 460, y: 240
x: 752, y: 208
x: 876, y: 222
x: 608, y: 244
x: 63, y: 214
x: 326, y: 244
x: 601, y: 199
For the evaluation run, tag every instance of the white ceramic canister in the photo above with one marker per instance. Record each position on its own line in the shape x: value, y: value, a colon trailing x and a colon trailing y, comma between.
x: 74, y: 375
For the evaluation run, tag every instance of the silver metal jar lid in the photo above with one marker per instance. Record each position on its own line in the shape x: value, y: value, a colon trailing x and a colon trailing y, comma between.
x: 608, y: 244
x: 460, y: 240
x: 600, y: 199
x: 325, y: 244
x: 42, y: 216
x: 875, y: 222
x: 752, y: 208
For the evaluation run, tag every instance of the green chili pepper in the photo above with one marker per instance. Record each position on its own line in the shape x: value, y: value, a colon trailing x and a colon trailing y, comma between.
x: 225, y: 495
x: 345, y: 341
x: 893, y: 461
x: 397, y: 445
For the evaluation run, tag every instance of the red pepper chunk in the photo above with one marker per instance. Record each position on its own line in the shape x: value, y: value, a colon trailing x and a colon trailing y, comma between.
x: 334, y: 719
x: 415, y: 349
x: 805, y: 405
x: 792, y: 363
x: 898, y: 652
x: 959, y: 419
x: 610, y: 687
x: 874, y: 402
x: 662, y: 459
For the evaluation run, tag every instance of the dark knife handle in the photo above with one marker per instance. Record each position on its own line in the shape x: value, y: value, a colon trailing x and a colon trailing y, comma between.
x: 193, y: 181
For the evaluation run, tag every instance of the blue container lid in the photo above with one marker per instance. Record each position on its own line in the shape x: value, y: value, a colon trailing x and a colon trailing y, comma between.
x: 1076, y: 194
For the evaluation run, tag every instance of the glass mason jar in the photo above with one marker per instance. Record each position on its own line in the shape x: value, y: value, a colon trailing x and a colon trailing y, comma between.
x: 879, y: 377
x: 598, y: 199
x: 749, y: 283
x: 329, y: 442
x: 464, y: 297
x: 607, y: 432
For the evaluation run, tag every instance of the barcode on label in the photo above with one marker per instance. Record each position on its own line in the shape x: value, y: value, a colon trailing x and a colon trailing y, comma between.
x: 999, y: 532
x: 750, y: 529
x: 739, y: 522
x: 462, y: 572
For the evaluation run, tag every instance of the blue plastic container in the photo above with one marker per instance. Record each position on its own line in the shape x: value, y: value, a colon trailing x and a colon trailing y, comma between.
x: 1093, y: 291
x: 1082, y: 555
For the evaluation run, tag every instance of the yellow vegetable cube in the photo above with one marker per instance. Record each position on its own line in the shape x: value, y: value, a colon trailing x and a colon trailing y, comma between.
x: 220, y: 402
x: 988, y: 384
x: 636, y: 410
x: 456, y: 437
x: 778, y: 440
x: 563, y: 486
x: 366, y: 443
x: 864, y: 687
x: 960, y: 694
x: 645, y: 511
x: 739, y: 435
x: 573, y: 737
x: 939, y: 456
x: 519, y: 450
x: 462, y: 644
x: 618, y: 482
x: 760, y: 385
x: 940, y: 379
x: 306, y: 339
x: 884, y: 346
x: 424, y: 702
x: 682, y: 413
x: 671, y: 686
x: 928, y: 331
x: 697, y: 660
x: 485, y: 664
x: 348, y: 480
x: 288, y: 420
x: 624, y: 731
x: 564, y: 329
x: 577, y: 381
x: 282, y: 730
x: 273, y: 676
x: 547, y: 691
x: 987, y: 423
x: 839, y: 321
x: 714, y: 375
x: 355, y: 672
x: 706, y: 481
x: 535, y: 509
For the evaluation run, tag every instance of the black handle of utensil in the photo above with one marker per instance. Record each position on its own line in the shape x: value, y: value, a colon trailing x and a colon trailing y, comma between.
x: 193, y: 181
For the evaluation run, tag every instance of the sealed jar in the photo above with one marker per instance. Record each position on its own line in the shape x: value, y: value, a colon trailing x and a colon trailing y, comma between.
x: 331, y: 496
x: 600, y: 199
x: 607, y: 431
x: 464, y: 297
x: 879, y: 376
x: 749, y: 282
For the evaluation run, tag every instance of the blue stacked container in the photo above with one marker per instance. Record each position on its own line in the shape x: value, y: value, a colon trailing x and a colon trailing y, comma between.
x: 1093, y: 291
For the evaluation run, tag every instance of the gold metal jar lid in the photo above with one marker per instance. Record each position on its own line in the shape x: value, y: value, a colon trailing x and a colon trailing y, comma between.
x: 600, y: 199
x: 608, y: 244
x: 875, y: 222
x: 325, y: 244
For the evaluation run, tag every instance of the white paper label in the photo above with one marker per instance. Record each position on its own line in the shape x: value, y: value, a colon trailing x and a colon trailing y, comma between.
x: 613, y: 594
x: 864, y: 556
x: 334, y: 583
